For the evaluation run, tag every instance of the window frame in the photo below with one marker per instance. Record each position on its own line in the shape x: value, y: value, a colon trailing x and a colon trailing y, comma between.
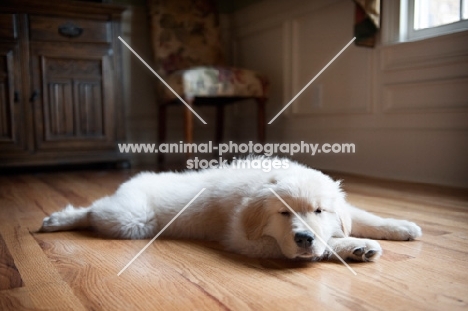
x: 408, y: 33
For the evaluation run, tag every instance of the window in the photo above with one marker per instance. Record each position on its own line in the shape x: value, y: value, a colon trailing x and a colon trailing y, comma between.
x: 428, y: 18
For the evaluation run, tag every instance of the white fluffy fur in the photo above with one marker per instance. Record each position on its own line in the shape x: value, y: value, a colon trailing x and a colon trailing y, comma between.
x: 239, y: 210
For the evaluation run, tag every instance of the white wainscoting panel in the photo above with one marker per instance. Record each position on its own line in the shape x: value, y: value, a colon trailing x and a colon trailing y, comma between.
x: 428, y: 96
x: 404, y: 105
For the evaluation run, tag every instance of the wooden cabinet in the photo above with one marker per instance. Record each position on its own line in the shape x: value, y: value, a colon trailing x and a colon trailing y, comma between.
x: 60, y: 83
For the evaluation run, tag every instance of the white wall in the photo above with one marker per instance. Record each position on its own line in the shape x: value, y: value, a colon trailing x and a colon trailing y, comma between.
x: 404, y: 106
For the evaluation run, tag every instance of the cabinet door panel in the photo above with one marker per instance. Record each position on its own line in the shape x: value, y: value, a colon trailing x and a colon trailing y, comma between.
x: 73, y: 110
x: 58, y: 110
x: 90, y: 114
x: 10, y: 107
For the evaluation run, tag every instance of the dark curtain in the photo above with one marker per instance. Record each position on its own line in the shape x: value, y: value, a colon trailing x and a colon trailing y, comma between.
x: 367, y: 22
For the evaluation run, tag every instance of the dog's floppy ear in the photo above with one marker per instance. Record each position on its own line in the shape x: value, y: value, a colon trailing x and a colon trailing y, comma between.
x: 343, y: 213
x: 345, y: 222
x: 254, y: 218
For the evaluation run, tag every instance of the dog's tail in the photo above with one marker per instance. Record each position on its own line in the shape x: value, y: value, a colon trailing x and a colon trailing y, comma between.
x: 69, y: 218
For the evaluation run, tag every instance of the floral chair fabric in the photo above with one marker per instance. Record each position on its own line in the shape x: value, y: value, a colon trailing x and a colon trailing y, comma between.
x: 186, y: 33
x: 217, y: 82
x: 188, y: 53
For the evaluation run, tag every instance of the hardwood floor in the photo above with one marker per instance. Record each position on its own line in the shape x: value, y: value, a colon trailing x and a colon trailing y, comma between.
x: 75, y: 270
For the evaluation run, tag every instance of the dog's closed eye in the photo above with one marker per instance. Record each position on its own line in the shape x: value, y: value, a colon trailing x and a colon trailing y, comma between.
x: 285, y: 213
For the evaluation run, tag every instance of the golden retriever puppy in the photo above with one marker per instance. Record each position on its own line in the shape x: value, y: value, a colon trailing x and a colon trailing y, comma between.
x: 241, y: 209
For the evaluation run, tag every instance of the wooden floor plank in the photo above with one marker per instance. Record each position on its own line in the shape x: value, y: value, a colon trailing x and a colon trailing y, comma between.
x: 45, y: 287
x: 9, y: 275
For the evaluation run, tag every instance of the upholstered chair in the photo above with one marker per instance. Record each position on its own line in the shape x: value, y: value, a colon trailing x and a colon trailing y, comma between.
x: 188, y: 55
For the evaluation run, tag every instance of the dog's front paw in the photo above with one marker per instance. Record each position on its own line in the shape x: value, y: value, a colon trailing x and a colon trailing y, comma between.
x: 403, y: 230
x: 370, y: 251
x: 356, y: 249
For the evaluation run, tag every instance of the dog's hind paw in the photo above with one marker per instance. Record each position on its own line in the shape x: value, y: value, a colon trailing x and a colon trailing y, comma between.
x: 62, y: 220
x: 50, y: 224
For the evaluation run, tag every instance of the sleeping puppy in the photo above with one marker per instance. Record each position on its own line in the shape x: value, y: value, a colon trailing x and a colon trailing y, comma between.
x: 239, y: 209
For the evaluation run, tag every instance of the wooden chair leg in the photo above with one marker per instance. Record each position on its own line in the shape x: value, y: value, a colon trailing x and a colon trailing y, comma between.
x: 219, y: 124
x: 261, y: 119
x: 161, y: 132
x: 188, y: 123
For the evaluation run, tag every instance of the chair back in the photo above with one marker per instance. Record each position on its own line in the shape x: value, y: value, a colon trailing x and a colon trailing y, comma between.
x: 185, y: 34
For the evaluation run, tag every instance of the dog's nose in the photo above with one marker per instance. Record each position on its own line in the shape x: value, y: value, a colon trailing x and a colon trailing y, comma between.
x: 304, y: 239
